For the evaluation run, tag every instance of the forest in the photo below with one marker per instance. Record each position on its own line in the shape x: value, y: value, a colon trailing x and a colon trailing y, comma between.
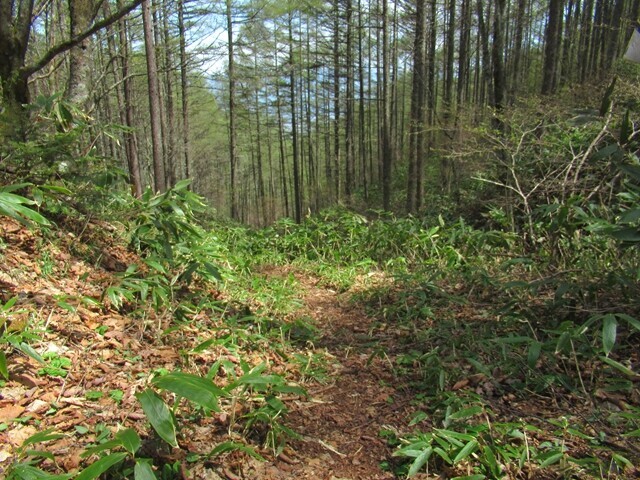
x: 319, y: 240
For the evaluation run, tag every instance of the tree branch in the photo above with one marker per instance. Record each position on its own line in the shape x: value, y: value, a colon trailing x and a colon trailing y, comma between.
x: 53, y: 52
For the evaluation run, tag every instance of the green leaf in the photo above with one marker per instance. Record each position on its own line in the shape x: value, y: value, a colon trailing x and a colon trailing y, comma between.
x: 551, y: 459
x: 452, y: 435
x: 490, y: 459
x: 630, y: 320
x: 467, y: 450
x: 182, y: 184
x: 28, y: 350
x: 143, y: 471
x: 477, y: 476
x: 443, y: 455
x: 13, y: 206
x: 40, y: 437
x: 627, y: 234
x: 15, y: 186
x: 609, y: 332
x: 101, y: 447
x: 618, y: 366
x: 420, y: 461
x: 99, y: 467
x: 212, y: 270
x: 204, y: 345
x: 631, y: 170
x: 534, y: 354
x: 199, y: 390
x: 159, y: 416
x: 606, y: 102
x: 630, y: 216
x: 23, y: 471
x: 626, y: 128
x: 129, y: 439
x: 466, y: 413
x: 622, y: 461
x: 40, y: 454
x: 417, y: 418
x: 4, y: 371
x: 235, y: 447
x: 605, y: 152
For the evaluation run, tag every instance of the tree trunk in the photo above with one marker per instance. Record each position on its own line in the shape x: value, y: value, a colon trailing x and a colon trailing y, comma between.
x: 131, y: 149
x: 297, y: 194
x: 15, y: 30
x: 169, y: 140
x: 362, y: 147
x: 486, y: 81
x: 552, y: 47
x: 418, y: 98
x: 499, y: 78
x: 184, y: 89
x: 154, y: 99
x: 82, y: 14
x: 349, y: 112
x: 387, y: 150
x: 233, y: 155
x: 335, y: 171
x: 516, y: 75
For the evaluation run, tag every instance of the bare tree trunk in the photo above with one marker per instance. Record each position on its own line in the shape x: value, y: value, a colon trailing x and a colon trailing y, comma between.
x: 335, y: 171
x: 170, y: 141
x: 135, y: 178
x: 362, y: 147
x: 349, y: 183
x: 233, y: 155
x: 516, y: 75
x: 154, y: 99
x: 387, y: 149
x: 552, y: 41
x: 184, y: 88
x: 418, y: 99
x: 260, y: 180
x: 297, y: 193
x: 499, y: 77
x: 485, y: 83
x: 82, y: 13
x: 281, y: 144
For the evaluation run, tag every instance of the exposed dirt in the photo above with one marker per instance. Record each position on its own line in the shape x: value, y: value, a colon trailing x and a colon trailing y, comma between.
x: 341, y: 421
x: 59, y: 280
x: 113, y: 354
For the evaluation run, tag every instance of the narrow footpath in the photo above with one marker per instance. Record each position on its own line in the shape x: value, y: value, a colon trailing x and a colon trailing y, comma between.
x: 341, y: 421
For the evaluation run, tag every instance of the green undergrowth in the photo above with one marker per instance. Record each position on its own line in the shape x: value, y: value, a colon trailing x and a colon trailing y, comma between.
x: 492, y: 329
x: 516, y: 335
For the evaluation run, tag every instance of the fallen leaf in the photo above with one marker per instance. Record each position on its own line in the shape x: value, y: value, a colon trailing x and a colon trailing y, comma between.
x: 10, y: 413
x: 37, y: 406
x: 17, y: 436
x: 460, y: 384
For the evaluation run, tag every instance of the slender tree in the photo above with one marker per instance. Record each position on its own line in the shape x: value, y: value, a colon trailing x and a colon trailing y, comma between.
x: 418, y: 110
x: 154, y: 99
x: 233, y: 141
x: 184, y: 90
x: 552, y: 46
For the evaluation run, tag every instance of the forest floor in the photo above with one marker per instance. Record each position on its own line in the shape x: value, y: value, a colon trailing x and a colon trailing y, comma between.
x: 98, y: 357
x: 357, y: 398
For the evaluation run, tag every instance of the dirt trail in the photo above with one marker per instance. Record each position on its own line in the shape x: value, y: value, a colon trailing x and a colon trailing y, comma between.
x: 341, y: 420
x: 112, y: 354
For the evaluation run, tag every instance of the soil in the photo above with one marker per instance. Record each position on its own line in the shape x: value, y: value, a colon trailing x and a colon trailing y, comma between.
x: 59, y: 283
x: 341, y: 421
x: 100, y: 355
